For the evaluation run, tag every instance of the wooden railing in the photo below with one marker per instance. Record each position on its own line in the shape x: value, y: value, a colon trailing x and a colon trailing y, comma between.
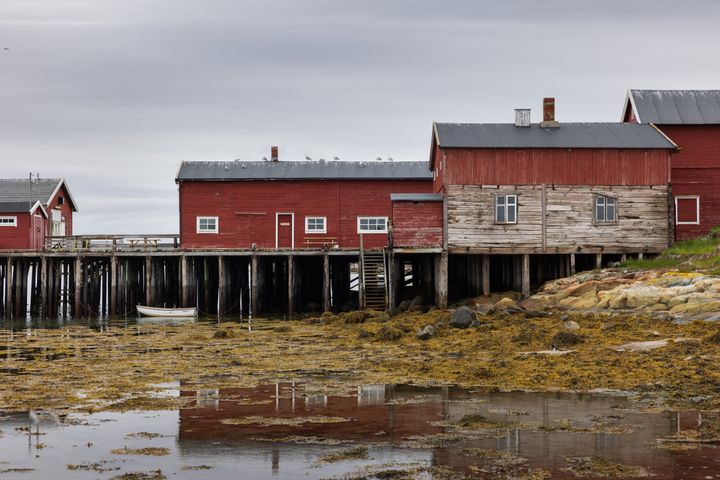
x: 112, y: 243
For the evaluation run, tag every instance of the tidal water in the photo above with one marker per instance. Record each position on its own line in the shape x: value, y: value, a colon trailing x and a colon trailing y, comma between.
x: 279, y: 431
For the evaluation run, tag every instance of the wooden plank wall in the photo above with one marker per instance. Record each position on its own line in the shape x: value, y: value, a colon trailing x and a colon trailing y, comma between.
x: 567, y: 225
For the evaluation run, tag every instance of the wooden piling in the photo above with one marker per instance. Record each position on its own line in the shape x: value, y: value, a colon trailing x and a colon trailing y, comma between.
x: 148, y: 281
x: 184, y: 282
x: 291, y: 285
x: 526, y: 275
x: 441, y: 280
x: 43, y: 286
x: 572, y: 264
x: 78, y: 277
x: 326, y: 283
x: 222, y: 285
x: 8, y: 287
x: 598, y: 261
x: 254, y: 288
x: 486, y: 275
x: 392, y: 280
x: 113, y: 301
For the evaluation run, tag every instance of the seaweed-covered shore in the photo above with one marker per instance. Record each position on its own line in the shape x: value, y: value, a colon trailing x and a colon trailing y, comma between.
x: 121, y: 368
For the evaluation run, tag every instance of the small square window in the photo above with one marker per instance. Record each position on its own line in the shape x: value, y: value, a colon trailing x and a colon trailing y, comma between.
x: 61, y: 200
x: 605, y: 209
x: 207, y: 225
x: 372, y: 224
x: 315, y: 225
x: 506, y: 209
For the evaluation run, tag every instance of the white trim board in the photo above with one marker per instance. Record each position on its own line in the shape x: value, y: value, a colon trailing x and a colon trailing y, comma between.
x: 697, y: 209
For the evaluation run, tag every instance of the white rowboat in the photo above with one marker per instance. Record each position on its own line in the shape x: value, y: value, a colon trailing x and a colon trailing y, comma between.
x: 166, y: 312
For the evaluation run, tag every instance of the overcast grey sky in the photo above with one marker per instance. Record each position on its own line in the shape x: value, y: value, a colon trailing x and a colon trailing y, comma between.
x: 113, y: 94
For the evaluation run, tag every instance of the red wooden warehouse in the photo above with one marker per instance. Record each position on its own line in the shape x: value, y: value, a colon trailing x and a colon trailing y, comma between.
x: 691, y: 119
x: 525, y: 203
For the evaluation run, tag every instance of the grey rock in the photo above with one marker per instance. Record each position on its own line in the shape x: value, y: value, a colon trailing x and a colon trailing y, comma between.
x: 462, y: 318
x: 427, y: 332
x: 570, y: 325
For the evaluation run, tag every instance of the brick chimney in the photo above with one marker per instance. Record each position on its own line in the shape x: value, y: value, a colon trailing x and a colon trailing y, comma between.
x: 273, y: 154
x: 549, y: 113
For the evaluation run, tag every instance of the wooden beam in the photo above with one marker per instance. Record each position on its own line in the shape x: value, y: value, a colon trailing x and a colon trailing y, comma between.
x: 291, y: 285
x: 441, y: 280
x: 598, y: 260
x: 254, y: 287
x: 486, y: 275
x: 326, y: 284
x: 526, y: 275
x: 572, y: 264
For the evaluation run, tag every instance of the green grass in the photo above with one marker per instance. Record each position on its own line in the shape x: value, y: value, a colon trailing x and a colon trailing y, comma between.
x: 697, y: 246
x: 684, y: 254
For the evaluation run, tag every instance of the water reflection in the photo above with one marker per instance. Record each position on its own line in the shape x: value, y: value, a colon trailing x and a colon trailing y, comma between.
x: 281, y: 431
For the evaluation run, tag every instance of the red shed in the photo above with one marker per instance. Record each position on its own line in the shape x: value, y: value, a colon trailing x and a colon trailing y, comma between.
x: 52, y: 193
x: 292, y: 205
x: 22, y: 226
x: 691, y: 118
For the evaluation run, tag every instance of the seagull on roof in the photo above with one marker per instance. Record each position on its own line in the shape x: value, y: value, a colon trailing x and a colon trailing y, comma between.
x: 307, y: 158
x: 379, y: 159
x: 336, y: 159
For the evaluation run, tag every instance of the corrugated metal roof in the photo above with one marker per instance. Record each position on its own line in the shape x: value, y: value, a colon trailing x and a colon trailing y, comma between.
x: 416, y: 197
x: 676, y: 107
x: 567, y: 135
x: 306, y: 170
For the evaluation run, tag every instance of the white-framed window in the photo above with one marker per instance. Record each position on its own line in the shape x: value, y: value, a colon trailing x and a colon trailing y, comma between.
x: 372, y: 224
x: 315, y: 225
x: 506, y: 209
x: 687, y: 210
x: 8, y: 221
x: 605, y: 210
x: 208, y: 225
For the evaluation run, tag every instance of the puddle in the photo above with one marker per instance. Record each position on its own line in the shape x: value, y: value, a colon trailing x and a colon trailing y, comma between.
x: 282, y: 431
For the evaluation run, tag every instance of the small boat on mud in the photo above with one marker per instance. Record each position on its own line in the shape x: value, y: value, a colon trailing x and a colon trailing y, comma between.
x: 167, y: 312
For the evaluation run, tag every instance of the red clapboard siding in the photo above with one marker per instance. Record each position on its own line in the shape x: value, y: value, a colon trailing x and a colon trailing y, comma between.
x: 696, y: 171
x: 556, y: 166
x: 703, y: 182
x: 417, y: 224
x: 65, y: 208
x: 247, y: 210
x: 19, y: 237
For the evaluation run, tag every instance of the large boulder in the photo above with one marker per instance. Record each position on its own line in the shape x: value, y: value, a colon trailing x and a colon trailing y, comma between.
x: 463, y: 317
x: 695, y: 308
x: 507, y: 305
x: 536, y: 303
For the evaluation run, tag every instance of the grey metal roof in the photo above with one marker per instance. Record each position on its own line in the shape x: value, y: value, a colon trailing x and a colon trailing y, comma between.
x: 16, y: 207
x: 416, y: 197
x: 305, y: 170
x: 23, y: 190
x: 567, y: 135
x: 676, y: 107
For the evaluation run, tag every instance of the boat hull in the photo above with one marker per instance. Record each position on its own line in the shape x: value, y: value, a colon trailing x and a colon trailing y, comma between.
x: 166, y: 312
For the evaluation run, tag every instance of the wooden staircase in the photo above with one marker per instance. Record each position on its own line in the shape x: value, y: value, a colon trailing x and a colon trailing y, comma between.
x: 374, y: 279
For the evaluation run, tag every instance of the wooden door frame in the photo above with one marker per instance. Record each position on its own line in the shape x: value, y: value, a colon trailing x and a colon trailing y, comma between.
x: 292, y: 229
